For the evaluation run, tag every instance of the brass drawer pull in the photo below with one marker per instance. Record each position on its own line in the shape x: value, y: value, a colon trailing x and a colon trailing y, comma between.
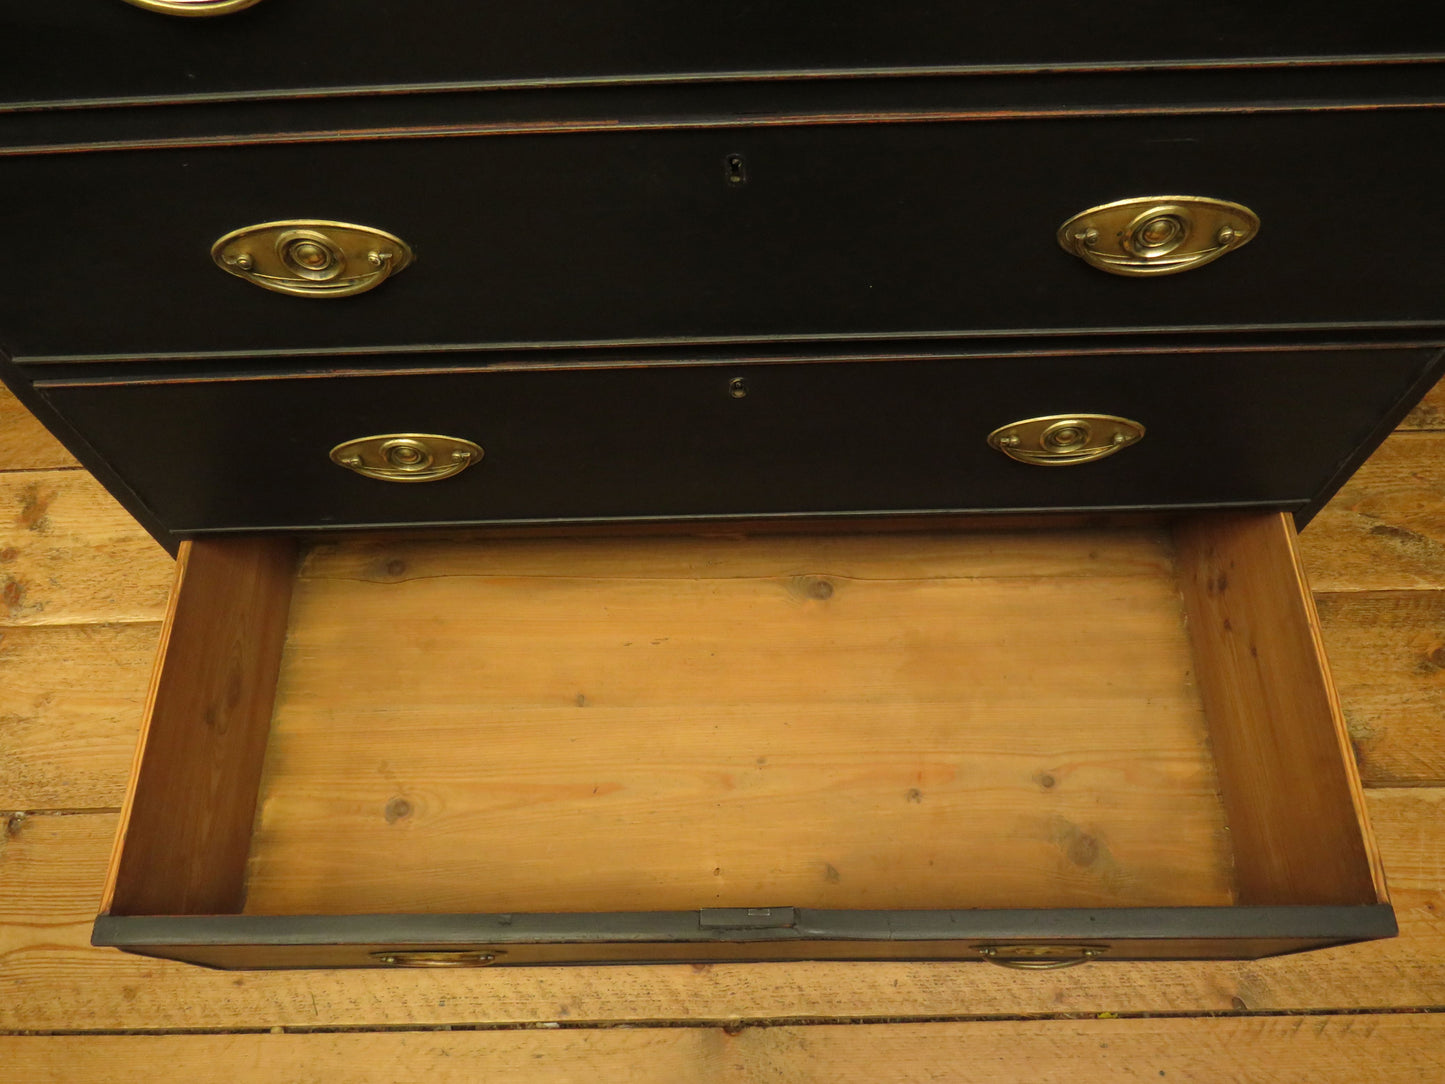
x: 448, y: 958
x: 1158, y: 235
x: 312, y: 258
x: 193, y: 7
x: 1040, y: 957
x: 407, y: 457
x: 1065, y: 440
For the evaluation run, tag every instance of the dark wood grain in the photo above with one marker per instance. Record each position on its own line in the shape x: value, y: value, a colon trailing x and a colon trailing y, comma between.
x: 1291, y: 790
x: 187, y: 816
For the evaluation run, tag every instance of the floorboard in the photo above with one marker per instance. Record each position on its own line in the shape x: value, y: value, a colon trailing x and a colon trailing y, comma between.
x: 24, y: 442
x: 1392, y: 1049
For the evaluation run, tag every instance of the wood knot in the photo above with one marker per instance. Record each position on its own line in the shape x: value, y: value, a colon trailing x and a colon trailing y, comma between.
x: 1082, y: 849
x: 35, y: 508
x: 819, y: 588
x: 14, y: 595
x: 396, y: 809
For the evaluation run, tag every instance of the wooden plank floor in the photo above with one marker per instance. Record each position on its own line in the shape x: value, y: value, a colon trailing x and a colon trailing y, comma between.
x: 82, y: 591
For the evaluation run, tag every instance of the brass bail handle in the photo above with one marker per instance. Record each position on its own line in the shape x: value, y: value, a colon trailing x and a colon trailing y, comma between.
x: 1065, y: 440
x: 312, y: 257
x: 1040, y: 957
x: 407, y: 457
x: 1157, y: 235
x: 193, y: 8
x: 439, y: 958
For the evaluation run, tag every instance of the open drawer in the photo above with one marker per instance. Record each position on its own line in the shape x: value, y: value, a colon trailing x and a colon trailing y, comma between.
x: 1033, y: 744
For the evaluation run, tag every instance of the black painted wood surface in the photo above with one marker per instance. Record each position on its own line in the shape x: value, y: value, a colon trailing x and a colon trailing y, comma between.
x: 62, y: 50
x: 1123, y: 933
x: 658, y: 442
x: 837, y: 231
x: 896, y: 97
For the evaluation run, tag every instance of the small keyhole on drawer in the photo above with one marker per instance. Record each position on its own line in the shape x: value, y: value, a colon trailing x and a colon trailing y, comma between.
x: 737, y: 169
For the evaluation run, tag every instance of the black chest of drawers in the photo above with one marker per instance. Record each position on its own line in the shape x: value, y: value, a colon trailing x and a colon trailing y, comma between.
x: 567, y: 264
x: 668, y: 264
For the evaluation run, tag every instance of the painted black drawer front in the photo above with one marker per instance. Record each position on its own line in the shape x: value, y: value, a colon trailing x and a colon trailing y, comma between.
x: 85, y: 49
x: 1123, y: 934
x: 837, y: 231
x: 660, y: 442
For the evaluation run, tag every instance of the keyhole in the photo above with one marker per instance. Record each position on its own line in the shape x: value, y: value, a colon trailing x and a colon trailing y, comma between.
x: 737, y: 169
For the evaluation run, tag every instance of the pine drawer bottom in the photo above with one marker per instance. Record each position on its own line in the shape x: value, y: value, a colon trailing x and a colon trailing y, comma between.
x: 1037, y: 747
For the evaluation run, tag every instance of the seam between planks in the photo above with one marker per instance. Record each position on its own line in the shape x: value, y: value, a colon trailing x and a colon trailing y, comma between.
x: 106, y: 623
x: 11, y: 816
x: 732, y: 1026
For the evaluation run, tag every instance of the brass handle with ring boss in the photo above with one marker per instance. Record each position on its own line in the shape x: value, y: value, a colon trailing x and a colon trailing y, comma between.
x: 407, y: 457
x: 1157, y: 235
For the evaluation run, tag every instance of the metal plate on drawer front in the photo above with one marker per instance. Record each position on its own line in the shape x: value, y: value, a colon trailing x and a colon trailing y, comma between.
x: 350, y: 43
x: 839, y: 232
x: 818, y: 438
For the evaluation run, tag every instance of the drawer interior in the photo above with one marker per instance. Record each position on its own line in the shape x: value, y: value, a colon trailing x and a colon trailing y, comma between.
x: 1107, y: 716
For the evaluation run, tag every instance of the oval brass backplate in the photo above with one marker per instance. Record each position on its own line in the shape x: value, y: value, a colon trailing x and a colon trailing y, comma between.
x: 1158, y: 235
x: 439, y: 958
x: 312, y: 258
x: 1031, y: 957
x: 407, y: 457
x: 1065, y: 440
x: 193, y: 7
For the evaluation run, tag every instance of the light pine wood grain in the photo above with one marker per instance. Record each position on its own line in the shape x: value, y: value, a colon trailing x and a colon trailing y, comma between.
x: 1387, y: 1049
x: 24, y: 442
x: 69, y: 554
x: 1385, y: 529
x: 1429, y: 413
x: 1387, y: 651
x: 51, y: 870
x: 866, y: 722
x: 387, y: 558
x: 1291, y: 791
x: 71, y: 700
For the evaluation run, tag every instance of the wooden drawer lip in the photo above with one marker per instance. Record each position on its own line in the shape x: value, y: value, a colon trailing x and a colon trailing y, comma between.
x: 1304, y: 922
x: 805, y: 249
x: 847, y: 438
x: 244, y: 53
